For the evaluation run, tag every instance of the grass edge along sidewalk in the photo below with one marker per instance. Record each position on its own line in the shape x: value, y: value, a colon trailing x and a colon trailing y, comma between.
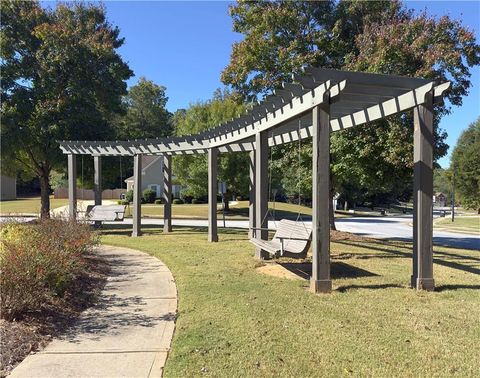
x: 233, y: 319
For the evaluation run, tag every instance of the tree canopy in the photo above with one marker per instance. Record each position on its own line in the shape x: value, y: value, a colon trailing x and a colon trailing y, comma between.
x: 145, y: 114
x: 466, y: 166
x: 62, y: 78
x: 191, y: 170
x: 383, y: 37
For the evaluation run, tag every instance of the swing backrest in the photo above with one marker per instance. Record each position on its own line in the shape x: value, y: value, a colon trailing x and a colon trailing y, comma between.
x: 106, y: 213
x: 296, y: 236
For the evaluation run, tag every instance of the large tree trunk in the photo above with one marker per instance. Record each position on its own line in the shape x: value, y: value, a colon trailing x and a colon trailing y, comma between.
x: 45, y: 194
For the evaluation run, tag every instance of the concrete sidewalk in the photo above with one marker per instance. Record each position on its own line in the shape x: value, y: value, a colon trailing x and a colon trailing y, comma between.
x: 127, y: 334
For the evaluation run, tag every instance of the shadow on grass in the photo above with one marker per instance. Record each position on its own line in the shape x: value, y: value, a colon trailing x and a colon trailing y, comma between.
x: 345, y: 288
x: 456, y: 287
x: 465, y: 266
x: 337, y: 270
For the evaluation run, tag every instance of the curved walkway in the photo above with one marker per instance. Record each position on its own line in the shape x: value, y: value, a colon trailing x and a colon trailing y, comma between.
x: 127, y: 334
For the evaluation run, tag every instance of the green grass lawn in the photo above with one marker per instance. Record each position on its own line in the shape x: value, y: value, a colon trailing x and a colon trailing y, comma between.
x: 234, y: 321
x: 467, y: 224
x: 30, y: 205
x: 238, y: 211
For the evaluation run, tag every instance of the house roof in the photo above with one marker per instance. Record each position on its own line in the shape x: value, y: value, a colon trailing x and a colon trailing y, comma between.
x: 147, y: 160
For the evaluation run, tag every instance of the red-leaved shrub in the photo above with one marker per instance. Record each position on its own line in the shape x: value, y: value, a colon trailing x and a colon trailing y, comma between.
x: 40, y: 262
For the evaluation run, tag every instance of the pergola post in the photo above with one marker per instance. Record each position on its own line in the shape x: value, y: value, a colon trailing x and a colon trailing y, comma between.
x: 167, y: 193
x: 97, y: 183
x: 212, y: 194
x: 251, y: 200
x: 320, y: 282
x: 423, y: 141
x: 72, y: 186
x: 137, y: 195
x: 261, y: 191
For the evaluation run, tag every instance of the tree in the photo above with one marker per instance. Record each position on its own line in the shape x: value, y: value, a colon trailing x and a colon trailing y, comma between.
x: 191, y: 171
x: 62, y: 78
x: 145, y: 115
x: 466, y: 165
x: 280, y: 37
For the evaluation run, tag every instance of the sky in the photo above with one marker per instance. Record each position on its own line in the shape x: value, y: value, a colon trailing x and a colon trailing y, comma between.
x: 184, y: 46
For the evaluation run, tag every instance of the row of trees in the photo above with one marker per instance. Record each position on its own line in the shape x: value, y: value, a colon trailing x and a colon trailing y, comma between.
x: 462, y: 179
x: 62, y: 78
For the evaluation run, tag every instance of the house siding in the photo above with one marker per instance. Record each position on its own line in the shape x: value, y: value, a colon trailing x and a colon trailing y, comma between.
x: 8, y: 188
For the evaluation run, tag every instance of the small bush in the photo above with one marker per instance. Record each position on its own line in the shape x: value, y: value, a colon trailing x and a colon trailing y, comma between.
x: 149, y: 195
x: 178, y: 201
x: 195, y: 201
x: 129, y: 196
x: 159, y: 201
x: 123, y: 202
x: 40, y: 262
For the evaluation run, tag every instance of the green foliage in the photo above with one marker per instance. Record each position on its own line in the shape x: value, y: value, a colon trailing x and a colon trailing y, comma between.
x: 129, y: 196
x: 373, y: 36
x: 178, y: 201
x: 191, y: 171
x: 149, y: 196
x: 145, y: 115
x: 159, y: 201
x: 40, y: 262
x: 58, y: 180
x: 466, y: 165
x: 55, y: 65
x: 442, y: 182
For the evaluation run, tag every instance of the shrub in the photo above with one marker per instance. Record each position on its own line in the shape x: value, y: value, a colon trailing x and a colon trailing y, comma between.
x: 195, y: 201
x: 123, y: 202
x: 178, y: 201
x: 159, y: 201
x: 149, y: 195
x: 40, y: 262
x: 129, y: 196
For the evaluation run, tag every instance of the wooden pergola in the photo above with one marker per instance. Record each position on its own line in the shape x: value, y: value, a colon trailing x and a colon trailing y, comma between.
x: 318, y: 102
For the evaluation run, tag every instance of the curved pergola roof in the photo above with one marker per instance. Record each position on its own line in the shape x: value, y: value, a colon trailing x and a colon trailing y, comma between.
x: 355, y: 98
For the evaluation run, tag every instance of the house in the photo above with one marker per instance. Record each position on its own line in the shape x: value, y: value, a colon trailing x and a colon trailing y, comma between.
x: 439, y: 200
x: 152, y: 176
x: 8, y: 188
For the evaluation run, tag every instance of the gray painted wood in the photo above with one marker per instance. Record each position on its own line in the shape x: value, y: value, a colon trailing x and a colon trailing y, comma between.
x: 261, y: 190
x: 251, y: 200
x: 423, y: 141
x: 72, y: 186
x: 167, y: 193
x: 97, y: 182
x: 137, y: 195
x: 212, y: 194
x: 320, y: 282
x: 292, y: 239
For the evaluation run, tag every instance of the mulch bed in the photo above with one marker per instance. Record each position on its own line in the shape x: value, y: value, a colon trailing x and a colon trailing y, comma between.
x: 33, y: 331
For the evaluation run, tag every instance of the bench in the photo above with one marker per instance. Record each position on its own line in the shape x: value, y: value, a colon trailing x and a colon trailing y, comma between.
x: 109, y: 213
x: 291, y: 239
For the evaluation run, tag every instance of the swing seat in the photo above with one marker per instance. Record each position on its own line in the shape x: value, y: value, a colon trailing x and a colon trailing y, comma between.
x: 292, y: 239
x: 108, y: 213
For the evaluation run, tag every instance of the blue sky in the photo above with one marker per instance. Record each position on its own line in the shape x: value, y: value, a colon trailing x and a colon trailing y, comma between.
x: 185, y: 46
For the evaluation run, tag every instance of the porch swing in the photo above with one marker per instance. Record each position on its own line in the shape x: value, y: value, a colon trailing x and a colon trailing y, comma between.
x: 292, y: 237
x: 105, y: 213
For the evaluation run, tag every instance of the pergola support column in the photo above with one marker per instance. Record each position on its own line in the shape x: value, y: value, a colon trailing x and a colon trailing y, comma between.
x: 97, y: 183
x: 137, y: 195
x: 251, y: 203
x: 212, y: 194
x: 261, y: 191
x: 321, y: 282
x: 423, y: 141
x: 72, y: 186
x: 167, y: 193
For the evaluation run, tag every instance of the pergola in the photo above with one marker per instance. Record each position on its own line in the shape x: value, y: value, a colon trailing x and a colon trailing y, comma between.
x: 318, y: 102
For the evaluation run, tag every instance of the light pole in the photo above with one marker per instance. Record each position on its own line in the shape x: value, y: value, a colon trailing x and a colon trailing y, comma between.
x: 453, y: 195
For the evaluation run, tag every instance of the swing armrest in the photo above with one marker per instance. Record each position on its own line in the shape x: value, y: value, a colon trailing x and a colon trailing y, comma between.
x: 261, y: 228
x: 288, y: 238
